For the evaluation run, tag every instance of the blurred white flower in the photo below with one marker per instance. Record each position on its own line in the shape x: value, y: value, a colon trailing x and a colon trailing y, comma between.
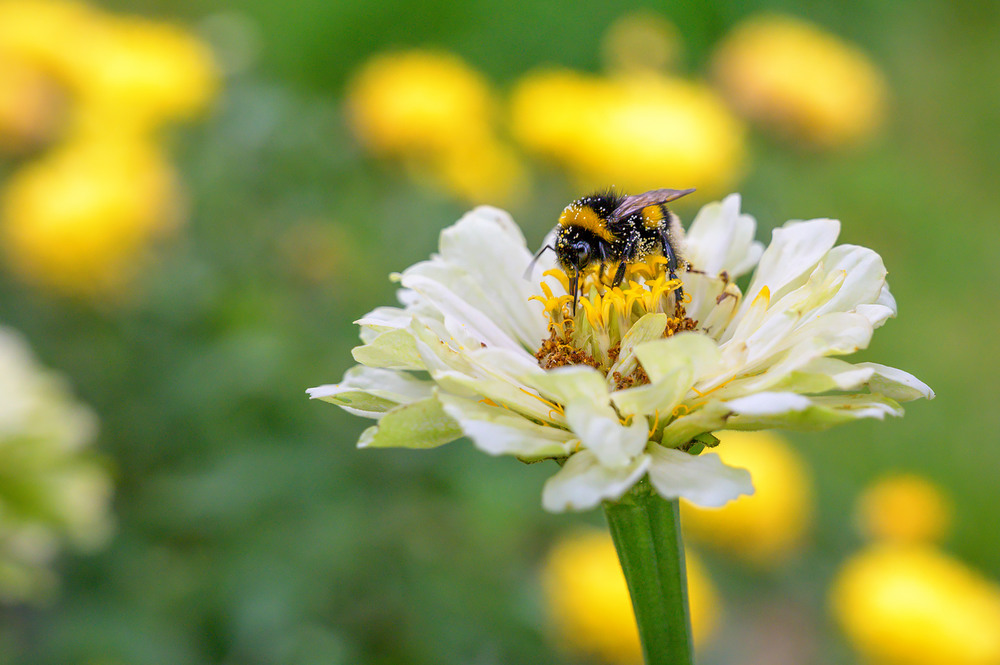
x: 632, y: 385
x: 53, y: 491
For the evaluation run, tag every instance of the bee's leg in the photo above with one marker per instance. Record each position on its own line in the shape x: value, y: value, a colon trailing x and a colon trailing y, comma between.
x: 574, y: 282
x: 671, y: 256
x: 625, y: 257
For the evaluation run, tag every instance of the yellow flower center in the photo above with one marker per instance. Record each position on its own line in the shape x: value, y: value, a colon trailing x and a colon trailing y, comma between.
x: 593, y: 335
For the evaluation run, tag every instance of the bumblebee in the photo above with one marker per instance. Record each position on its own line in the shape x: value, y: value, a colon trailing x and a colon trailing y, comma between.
x: 608, y: 227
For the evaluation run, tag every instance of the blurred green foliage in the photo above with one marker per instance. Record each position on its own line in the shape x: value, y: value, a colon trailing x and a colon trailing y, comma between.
x: 250, y: 529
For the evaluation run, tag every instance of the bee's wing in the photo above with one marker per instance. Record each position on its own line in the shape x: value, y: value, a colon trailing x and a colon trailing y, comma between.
x: 635, y: 203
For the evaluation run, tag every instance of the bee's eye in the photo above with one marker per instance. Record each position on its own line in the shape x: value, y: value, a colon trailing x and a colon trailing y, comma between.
x: 582, y: 252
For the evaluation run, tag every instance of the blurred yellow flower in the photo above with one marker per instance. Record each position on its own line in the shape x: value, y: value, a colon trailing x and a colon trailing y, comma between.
x: 904, y: 508
x: 636, y: 132
x: 79, y: 219
x: 487, y: 172
x: 588, y: 600
x: 125, y: 74
x: 800, y: 82
x: 641, y: 41
x: 136, y: 75
x: 768, y: 526
x: 436, y: 114
x: 30, y: 105
x: 49, y: 34
x: 913, y: 605
x: 55, y: 491
x: 419, y: 103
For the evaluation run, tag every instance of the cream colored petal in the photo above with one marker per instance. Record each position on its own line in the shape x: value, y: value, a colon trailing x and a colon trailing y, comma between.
x: 764, y: 368
x: 685, y: 350
x: 883, y: 309
x: 573, y: 383
x: 422, y: 424
x: 795, y: 250
x: 673, y: 364
x: 896, y: 384
x: 393, y: 349
x: 806, y: 413
x: 701, y: 479
x: 649, y: 327
x: 459, y: 313
x: 481, y: 260
x: 498, y: 431
x: 583, y: 482
x: 469, y: 374
x: 708, y: 418
x: 864, y: 276
x: 615, y: 445
x: 583, y: 392
x: 370, y: 392
x: 655, y: 399
x: 721, y: 239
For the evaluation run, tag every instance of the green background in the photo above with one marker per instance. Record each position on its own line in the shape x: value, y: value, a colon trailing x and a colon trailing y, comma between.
x: 250, y: 530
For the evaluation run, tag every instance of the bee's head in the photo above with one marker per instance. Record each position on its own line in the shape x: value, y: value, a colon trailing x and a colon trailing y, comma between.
x: 572, y: 250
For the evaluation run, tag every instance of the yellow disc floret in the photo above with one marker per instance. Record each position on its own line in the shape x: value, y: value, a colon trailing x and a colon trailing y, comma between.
x: 593, y: 335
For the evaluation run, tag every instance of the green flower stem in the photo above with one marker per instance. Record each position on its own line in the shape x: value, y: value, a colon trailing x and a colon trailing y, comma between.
x: 647, y: 535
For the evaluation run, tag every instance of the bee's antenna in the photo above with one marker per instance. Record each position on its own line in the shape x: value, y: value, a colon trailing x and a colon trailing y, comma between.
x: 531, y: 266
x: 573, y: 283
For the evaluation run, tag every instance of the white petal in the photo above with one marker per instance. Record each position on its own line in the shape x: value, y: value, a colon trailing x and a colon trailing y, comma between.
x: 897, y: 384
x: 478, y: 374
x: 673, y: 365
x: 573, y: 383
x: 818, y: 375
x: 458, y: 312
x: 701, y: 479
x: 719, y: 311
x: 795, y: 250
x: 864, y: 276
x: 385, y: 318
x: 721, y: 239
x: 820, y: 413
x: 600, y: 431
x: 883, y: 309
x: 704, y: 290
x: 422, y: 424
x: 649, y: 327
x: 658, y: 398
x: 774, y: 364
x: 482, y: 260
x: 393, y: 349
x: 691, y: 350
x: 370, y: 392
x: 764, y: 404
x: 498, y: 431
x: 708, y: 418
x: 583, y: 482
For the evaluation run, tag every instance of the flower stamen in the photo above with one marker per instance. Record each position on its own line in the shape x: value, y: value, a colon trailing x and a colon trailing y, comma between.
x: 605, y: 314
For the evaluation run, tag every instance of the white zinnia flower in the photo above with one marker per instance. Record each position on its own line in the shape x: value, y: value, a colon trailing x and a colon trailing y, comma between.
x: 634, y: 384
x: 56, y: 491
